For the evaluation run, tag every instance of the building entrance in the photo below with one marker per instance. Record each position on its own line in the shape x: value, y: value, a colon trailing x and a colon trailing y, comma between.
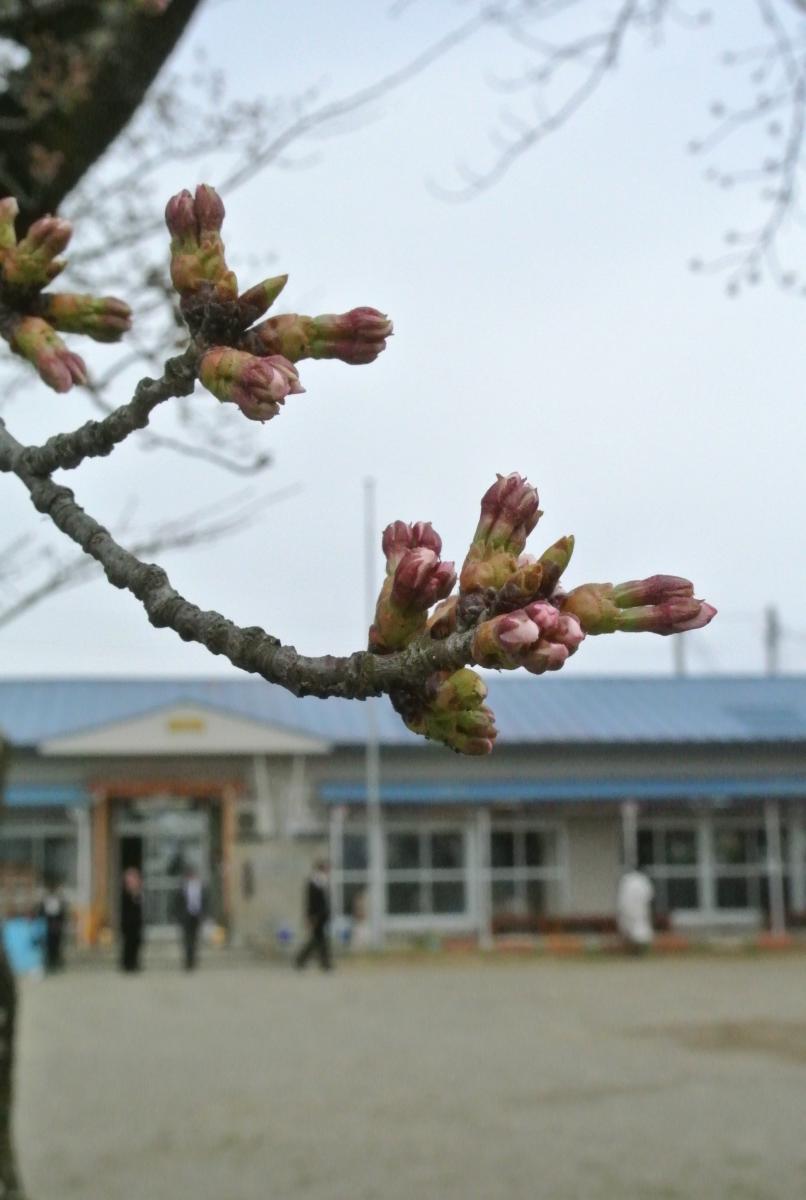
x: 163, y: 842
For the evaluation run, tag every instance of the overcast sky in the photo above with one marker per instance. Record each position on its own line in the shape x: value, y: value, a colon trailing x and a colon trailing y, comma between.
x: 549, y: 326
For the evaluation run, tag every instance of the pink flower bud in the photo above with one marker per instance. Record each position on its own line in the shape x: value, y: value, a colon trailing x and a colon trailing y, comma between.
x: 420, y: 579
x: 594, y: 605
x: 258, y: 386
x: 180, y: 217
x: 356, y: 337
x: 547, y: 656
x: 209, y: 209
x: 568, y: 632
x: 515, y: 631
x: 655, y: 590
x: 674, y: 616
x: 544, y: 615
x: 400, y: 537
x: 34, y: 339
x: 538, y: 638
x: 509, y: 513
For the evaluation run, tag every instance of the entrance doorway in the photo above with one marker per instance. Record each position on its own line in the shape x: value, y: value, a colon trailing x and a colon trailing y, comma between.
x: 163, y: 843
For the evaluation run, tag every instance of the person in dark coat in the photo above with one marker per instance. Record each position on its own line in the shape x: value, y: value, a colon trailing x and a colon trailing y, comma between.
x: 190, y: 905
x: 131, y: 920
x: 54, y: 912
x: 317, y: 916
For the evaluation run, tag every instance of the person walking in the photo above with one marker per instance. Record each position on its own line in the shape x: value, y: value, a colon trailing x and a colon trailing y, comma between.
x: 131, y: 920
x: 191, y: 915
x: 317, y: 916
x: 54, y: 912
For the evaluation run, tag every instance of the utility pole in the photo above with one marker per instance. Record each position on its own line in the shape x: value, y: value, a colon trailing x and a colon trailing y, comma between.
x: 679, y: 654
x: 373, y: 750
x: 772, y: 640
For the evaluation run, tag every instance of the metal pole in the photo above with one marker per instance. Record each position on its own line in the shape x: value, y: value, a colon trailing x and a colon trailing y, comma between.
x: 373, y: 749
x: 772, y: 640
x: 679, y: 654
x: 629, y: 834
x: 775, y: 874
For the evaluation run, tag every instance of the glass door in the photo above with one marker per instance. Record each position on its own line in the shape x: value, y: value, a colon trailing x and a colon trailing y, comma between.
x: 163, y: 843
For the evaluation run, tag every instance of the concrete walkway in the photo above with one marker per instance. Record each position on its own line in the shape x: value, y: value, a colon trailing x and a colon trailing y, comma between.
x: 535, y: 1080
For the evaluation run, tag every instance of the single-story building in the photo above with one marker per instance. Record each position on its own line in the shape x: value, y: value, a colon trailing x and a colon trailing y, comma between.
x: 701, y: 779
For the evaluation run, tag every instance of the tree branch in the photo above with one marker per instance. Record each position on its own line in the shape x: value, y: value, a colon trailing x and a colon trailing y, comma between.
x: 95, y: 439
x: 252, y: 649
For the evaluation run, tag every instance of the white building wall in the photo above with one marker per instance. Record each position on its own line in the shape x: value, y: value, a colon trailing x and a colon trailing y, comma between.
x: 594, y: 862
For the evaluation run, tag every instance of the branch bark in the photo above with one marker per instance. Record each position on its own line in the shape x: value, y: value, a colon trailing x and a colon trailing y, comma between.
x: 354, y: 677
x: 95, y: 439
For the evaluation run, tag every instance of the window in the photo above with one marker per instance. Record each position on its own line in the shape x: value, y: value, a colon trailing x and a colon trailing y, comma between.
x: 31, y: 854
x: 526, y: 873
x: 350, y: 883
x: 669, y: 853
x: 425, y: 872
x: 740, y: 864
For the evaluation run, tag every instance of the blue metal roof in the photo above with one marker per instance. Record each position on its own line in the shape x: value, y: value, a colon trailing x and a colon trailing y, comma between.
x: 541, y: 791
x: 552, y: 709
x: 48, y: 795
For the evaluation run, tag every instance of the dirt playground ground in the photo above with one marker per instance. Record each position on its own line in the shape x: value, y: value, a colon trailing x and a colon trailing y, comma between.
x: 528, y: 1080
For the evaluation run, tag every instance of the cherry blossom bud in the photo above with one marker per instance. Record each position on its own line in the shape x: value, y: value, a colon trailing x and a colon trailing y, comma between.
x: 673, y: 616
x: 209, y: 210
x: 33, y: 262
x: 180, y: 217
x: 100, y: 317
x: 152, y: 8
x: 8, y: 215
x: 258, y: 386
x: 417, y: 581
x: 509, y: 513
x: 597, y: 610
x: 655, y: 590
x: 199, y: 270
x: 537, y: 637
x: 254, y: 302
x: 354, y: 337
x: 400, y: 537
x: 34, y: 339
x: 420, y: 579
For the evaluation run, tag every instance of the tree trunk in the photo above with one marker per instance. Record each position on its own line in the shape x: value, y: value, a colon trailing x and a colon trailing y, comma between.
x: 10, y: 1185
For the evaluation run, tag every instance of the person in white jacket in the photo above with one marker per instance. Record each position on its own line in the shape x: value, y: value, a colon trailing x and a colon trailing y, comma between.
x: 634, y: 909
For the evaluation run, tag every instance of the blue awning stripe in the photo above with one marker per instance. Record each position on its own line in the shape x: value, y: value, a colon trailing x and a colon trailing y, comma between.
x: 48, y: 795
x: 538, y: 791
